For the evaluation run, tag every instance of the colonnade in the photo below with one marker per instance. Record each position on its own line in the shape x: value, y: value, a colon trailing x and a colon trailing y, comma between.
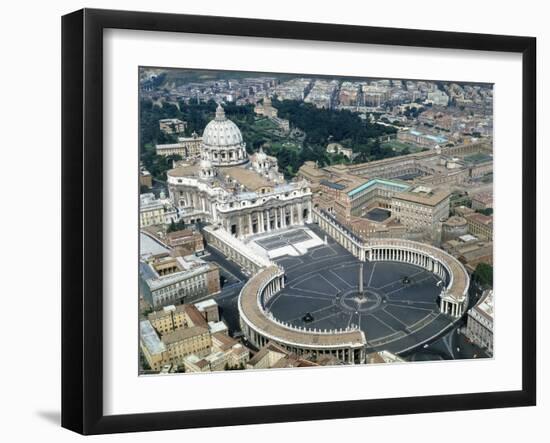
x: 344, y: 350
x: 272, y: 287
x: 347, y: 355
x: 340, y: 233
x: 413, y: 257
x: 451, y: 307
x: 190, y: 199
x: 234, y: 249
x: 264, y: 220
x: 428, y: 257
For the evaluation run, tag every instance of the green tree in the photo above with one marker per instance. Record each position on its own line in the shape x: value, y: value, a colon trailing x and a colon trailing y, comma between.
x: 483, y: 275
x: 486, y: 211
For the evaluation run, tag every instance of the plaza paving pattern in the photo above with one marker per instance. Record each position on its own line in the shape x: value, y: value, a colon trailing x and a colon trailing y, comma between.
x: 394, y: 315
x: 283, y: 239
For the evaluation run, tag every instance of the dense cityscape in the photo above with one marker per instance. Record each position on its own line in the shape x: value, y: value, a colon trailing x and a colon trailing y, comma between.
x: 295, y: 221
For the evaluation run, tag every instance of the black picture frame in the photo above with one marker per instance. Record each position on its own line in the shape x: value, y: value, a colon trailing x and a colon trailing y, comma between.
x: 82, y: 232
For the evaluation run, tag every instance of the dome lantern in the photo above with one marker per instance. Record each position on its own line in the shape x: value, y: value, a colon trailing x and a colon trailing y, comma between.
x: 220, y: 113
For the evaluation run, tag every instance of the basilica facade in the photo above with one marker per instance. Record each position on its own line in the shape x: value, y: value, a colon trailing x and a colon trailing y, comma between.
x: 245, y: 195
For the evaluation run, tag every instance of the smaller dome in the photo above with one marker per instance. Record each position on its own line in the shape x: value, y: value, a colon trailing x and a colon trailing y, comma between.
x: 205, y: 164
x: 261, y: 155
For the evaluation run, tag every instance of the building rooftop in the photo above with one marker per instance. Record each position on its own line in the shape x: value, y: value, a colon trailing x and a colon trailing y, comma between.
x: 201, y: 305
x: 455, y: 220
x: 183, y: 334
x: 150, y: 246
x: 187, y: 170
x: 269, y: 347
x: 195, y: 317
x: 186, y: 267
x: 217, y: 326
x: 248, y: 178
x: 150, y: 338
x: 398, y: 186
x: 486, y: 305
x: 484, y: 197
x: 430, y: 198
x: 486, y: 220
x: 333, y: 185
x: 165, y: 311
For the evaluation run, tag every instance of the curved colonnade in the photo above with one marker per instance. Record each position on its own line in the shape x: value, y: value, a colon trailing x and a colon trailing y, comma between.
x: 261, y: 327
x: 348, y: 345
x: 453, y: 299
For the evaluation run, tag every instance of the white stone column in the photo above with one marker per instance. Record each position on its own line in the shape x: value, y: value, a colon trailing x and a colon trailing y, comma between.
x: 260, y: 221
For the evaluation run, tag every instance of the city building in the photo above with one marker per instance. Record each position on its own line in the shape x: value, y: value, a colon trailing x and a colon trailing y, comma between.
x: 480, y: 225
x: 153, y: 211
x: 225, y: 353
x: 185, y: 242
x: 337, y: 148
x: 185, y: 341
x: 266, y: 108
x: 322, y: 94
x: 417, y: 208
x: 243, y: 195
x: 444, y: 166
x: 294, y: 89
x: 282, y: 123
x: 470, y: 251
x: 348, y: 94
x: 348, y: 195
x: 154, y: 350
x: 172, y: 317
x: 453, y: 227
x: 267, y: 356
x: 167, y: 280
x: 420, y: 138
x: 463, y: 211
x: 438, y: 98
x: 383, y: 357
x: 186, y: 147
x: 479, y: 324
x: 172, y: 125
x: 145, y: 178
x: 237, y: 354
x: 482, y: 200
x: 421, y: 209
x: 375, y: 95
x: 209, y: 310
x: 185, y: 335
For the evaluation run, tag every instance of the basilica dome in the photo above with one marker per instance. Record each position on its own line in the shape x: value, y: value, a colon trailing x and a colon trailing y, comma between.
x: 222, y: 141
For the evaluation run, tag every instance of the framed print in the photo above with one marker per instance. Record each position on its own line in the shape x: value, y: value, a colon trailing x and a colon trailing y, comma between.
x: 271, y: 221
